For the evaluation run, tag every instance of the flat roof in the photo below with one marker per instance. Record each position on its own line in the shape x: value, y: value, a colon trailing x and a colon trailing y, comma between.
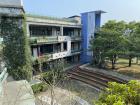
x: 74, y: 16
x: 97, y: 12
x: 52, y: 18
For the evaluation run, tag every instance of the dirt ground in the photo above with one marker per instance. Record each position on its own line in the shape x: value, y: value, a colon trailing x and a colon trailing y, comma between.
x: 122, y: 67
x: 68, y: 93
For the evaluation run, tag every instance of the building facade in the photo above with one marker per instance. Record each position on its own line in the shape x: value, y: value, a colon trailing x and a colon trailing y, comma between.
x: 91, y: 21
x: 63, y: 38
x: 54, y: 38
x: 58, y: 38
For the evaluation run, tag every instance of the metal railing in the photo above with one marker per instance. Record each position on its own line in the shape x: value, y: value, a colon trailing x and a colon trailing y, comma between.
x: 36, y: 40
x: 45, y: 56
x: 75, y: 50
x: 76, y: 38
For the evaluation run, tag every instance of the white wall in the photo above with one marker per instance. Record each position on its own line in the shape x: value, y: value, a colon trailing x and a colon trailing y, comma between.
x: 66, y: 53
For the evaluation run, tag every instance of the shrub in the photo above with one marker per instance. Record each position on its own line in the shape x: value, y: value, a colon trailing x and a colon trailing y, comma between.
x: 16, y: 50
x: 121, y: 94
x: 41, y: 87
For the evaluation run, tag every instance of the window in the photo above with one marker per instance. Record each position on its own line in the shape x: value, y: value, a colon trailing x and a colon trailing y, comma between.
x: 65, y: 46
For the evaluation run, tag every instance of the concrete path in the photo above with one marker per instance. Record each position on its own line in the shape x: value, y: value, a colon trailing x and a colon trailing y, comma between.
x: 108, y: 72
x: 17, y: 93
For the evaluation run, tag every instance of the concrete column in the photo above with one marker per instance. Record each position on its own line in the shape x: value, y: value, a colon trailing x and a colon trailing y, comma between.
x: 61, y: 31
x: 28, y: 31
x: 39, y: 51
x: 54, y: 32
x: 62, y: 47
x: 75, y: 32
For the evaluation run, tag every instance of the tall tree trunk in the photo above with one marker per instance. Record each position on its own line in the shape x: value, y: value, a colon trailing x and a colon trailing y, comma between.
x: 137, y: 61
x: 115, y: 57
x: 52, y: 95
x: 130, y: 61
x: 113, y: 61
x: 113, y: 64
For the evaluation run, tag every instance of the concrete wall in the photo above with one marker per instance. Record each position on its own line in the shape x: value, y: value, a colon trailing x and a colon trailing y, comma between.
x: 17, y: 3
x: 51, y: 22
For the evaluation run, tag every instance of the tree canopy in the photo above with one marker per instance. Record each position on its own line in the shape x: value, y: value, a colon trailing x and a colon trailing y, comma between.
x: 121, y: 94
x: 116, y: 39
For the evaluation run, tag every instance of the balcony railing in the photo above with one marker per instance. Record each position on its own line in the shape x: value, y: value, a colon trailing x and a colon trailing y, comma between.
x: 75, y: 50
x: 76, y: 38
x: 44, y: 57
x: 37, y: 40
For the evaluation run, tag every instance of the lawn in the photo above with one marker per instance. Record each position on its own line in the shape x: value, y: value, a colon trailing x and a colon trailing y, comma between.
x: 122, y: 67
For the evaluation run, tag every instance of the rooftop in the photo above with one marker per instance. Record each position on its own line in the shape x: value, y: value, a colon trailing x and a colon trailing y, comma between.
x: 97, y: 12
x: 52, y: 18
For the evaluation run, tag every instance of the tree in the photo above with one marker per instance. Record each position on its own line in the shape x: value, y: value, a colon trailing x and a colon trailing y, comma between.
x: 116, y: 39
x: 38, y: 63
x: 133, y: 36
x: 107, y: 44
x: 54, y: 77
x: 16, y: 47
x: 121, y: 94
x: 115, y: 26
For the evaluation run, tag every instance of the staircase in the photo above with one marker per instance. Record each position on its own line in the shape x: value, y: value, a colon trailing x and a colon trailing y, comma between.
x: 96, y: 79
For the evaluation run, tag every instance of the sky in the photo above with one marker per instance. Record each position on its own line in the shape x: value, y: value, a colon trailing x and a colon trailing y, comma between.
x: 128, y: 10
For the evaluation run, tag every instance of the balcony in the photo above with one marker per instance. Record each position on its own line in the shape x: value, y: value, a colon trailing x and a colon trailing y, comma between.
x: 44, y: 57
x: 76, y: 51
x: 76, y: 38
x: 40, y: 40
x: 52, y: 56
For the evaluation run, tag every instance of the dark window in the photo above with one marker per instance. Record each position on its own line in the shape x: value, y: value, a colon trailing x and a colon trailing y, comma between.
x: 65, y: 46
x: 40, y: 31
x: 46, y: 49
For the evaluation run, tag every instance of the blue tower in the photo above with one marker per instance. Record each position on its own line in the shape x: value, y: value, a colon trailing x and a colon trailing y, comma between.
x: 90, y: 21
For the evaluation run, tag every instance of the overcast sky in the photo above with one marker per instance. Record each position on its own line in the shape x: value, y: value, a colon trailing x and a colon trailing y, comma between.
x: 128, y: 10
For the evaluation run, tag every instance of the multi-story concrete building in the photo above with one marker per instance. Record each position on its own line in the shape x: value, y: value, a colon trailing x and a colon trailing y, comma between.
x: 58, y: 38
x: 63, y: 38
x: 51, y: 38
x: 55, y: 38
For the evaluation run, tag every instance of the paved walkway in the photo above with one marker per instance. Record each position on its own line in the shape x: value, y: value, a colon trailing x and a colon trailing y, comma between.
x: 17, y: 93
x: 109, y: 72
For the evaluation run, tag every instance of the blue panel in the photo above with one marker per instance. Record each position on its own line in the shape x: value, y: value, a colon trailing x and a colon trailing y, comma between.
x: 84, y: 18
x: 90, y: 20
x: 98, y: 20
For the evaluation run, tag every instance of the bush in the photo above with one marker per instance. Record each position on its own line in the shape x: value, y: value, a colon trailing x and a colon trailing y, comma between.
x: 121, y: 94
x: 41, y: 87
x: 16, y: 50
x: 48, y: 77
